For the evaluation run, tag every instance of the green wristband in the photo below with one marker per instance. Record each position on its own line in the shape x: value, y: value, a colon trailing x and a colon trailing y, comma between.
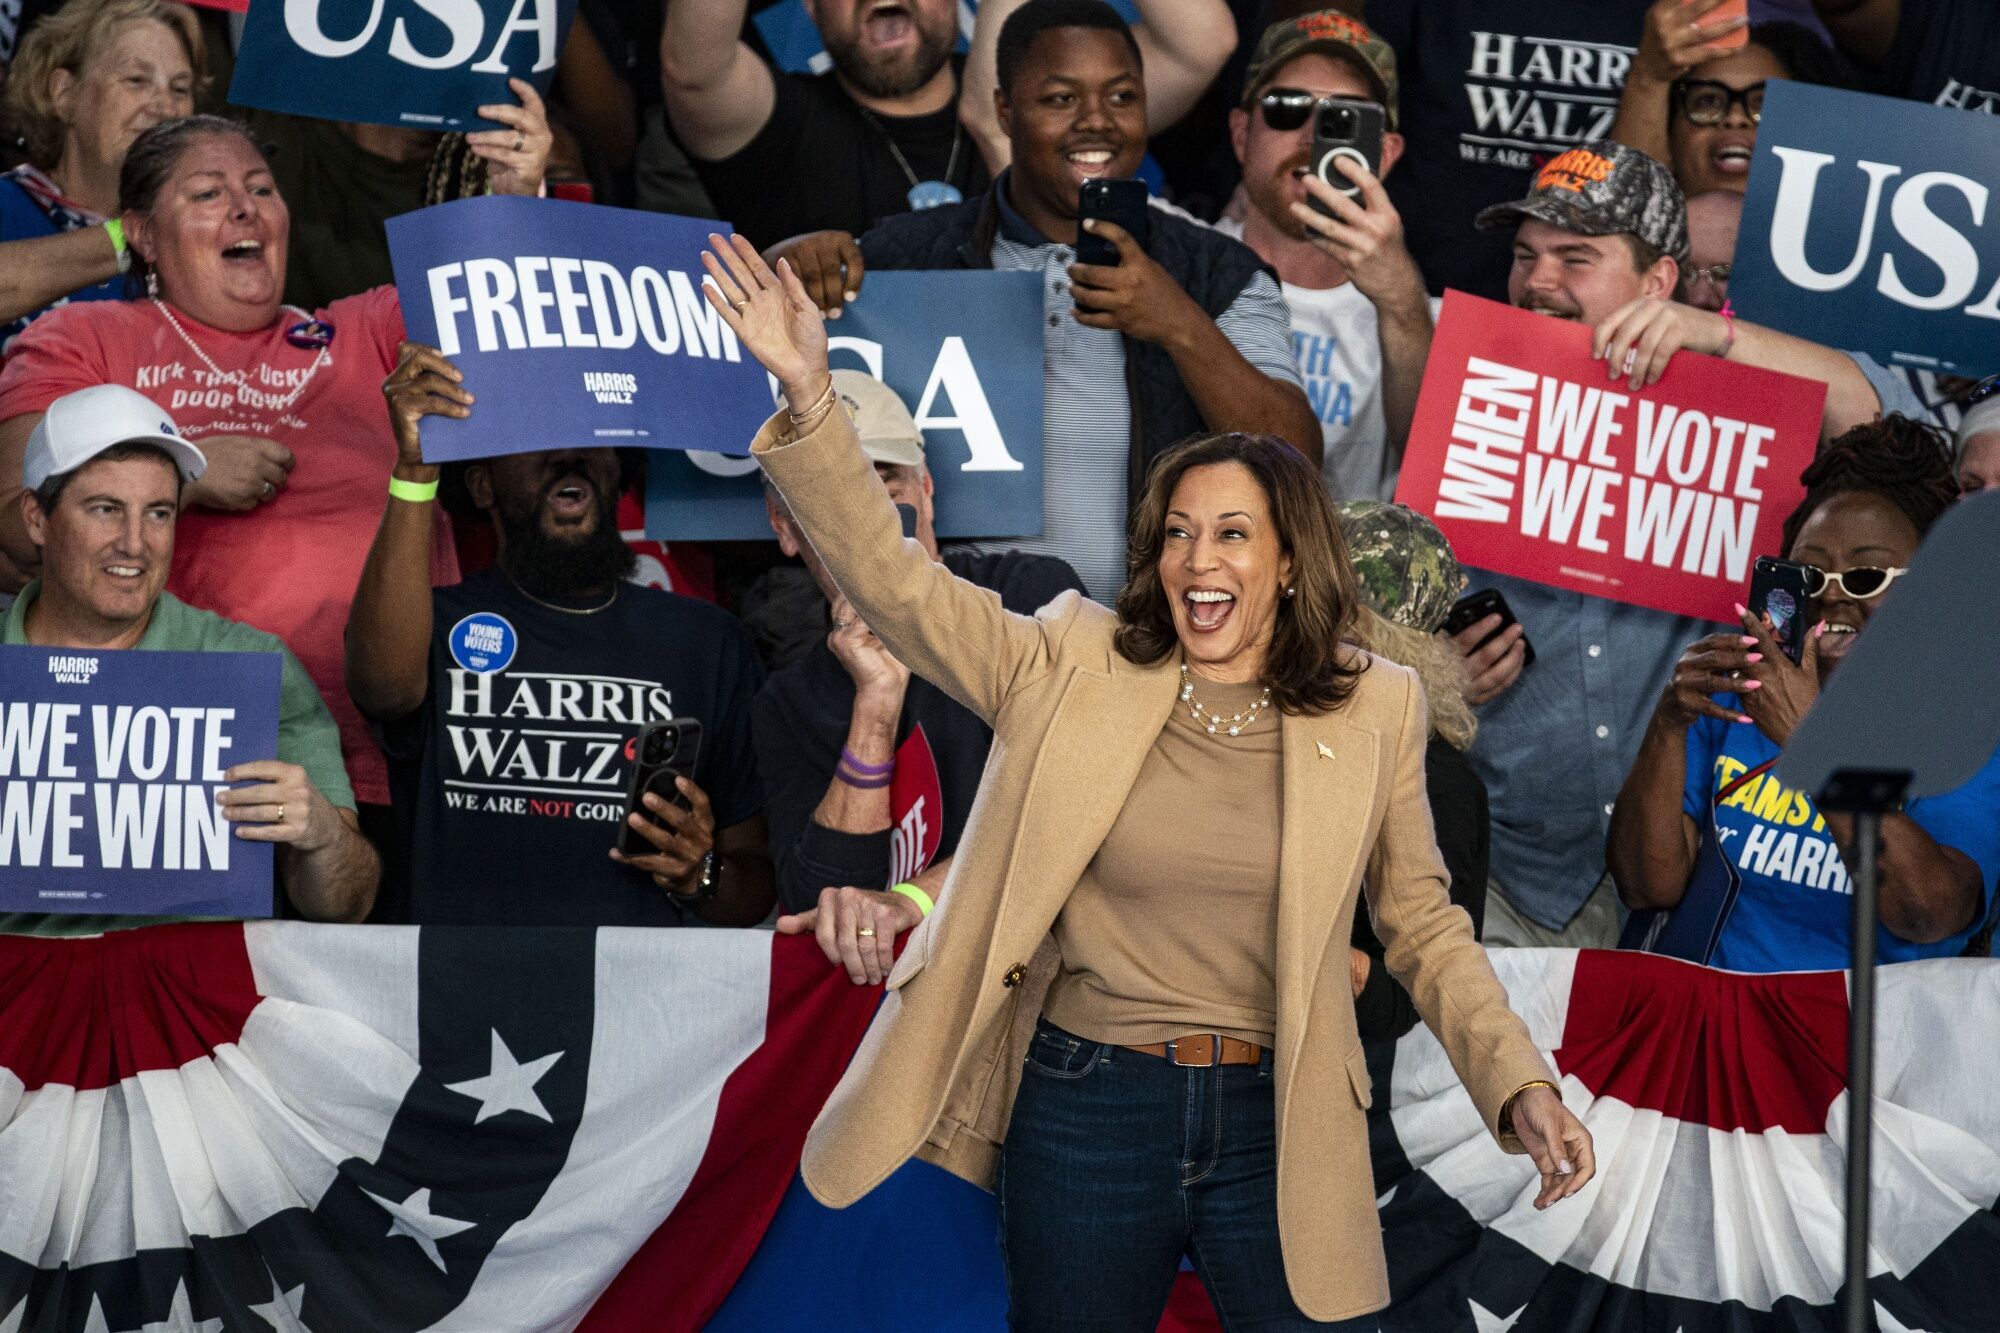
x: 416, y: 492
x: 915, y: 895
x: 115, y: 229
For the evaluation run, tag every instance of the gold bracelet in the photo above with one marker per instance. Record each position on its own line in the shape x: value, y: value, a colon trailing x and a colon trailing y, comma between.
x: 1507, y: 1107
x: 818, y: 408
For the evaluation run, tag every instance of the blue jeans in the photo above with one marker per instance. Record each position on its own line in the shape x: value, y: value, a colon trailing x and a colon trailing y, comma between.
x: 1116, y: 1164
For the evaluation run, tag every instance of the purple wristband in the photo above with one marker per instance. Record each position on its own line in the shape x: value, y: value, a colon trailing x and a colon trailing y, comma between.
x: 865, y: 784
x: 868, y: 770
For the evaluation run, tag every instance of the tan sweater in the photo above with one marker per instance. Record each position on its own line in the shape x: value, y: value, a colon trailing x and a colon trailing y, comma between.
x: 1173, y: 927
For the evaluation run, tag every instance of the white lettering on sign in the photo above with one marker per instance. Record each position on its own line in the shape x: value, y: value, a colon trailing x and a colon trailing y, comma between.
x: 464, y: 23
x: 1542, y: 455
x: 508, y: 303
x: 1912, y: 216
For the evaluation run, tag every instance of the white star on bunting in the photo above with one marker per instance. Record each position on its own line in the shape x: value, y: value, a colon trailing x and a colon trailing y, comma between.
x: 509, y: 1086
x: 413, y: 1218
x: 94, y: 1322
x: 180, y: 1316
x: 1382, y: 1200
x: 1485, y: 1321
x: 281, y: 1312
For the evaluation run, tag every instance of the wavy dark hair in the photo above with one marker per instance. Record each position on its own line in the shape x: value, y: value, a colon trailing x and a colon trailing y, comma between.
x: 1907, y: 463
x: 1306, y: 671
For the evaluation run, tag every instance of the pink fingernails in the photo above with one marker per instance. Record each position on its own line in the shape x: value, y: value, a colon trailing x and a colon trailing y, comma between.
x: 1749, y: 641
x: 1741, y: 609
x: 1752, y: 684
x: 1819, y: 629
x: 1745, y: 717
x: 1753, y: 657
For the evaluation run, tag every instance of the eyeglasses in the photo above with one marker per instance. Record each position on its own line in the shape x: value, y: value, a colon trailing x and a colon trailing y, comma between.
x: 1715, y: 273
x: 1705, y: 102
x: 1861, y: 583
x: 1285, y: 109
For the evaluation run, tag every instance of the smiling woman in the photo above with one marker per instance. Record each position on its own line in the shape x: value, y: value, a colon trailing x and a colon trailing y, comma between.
x: 286, y: 403
x: 1156, y: 971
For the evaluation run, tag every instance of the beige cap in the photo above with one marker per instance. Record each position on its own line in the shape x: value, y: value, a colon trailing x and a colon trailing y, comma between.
x: 888, y: 432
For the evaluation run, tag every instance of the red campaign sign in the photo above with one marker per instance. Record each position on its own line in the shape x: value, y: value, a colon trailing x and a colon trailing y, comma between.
x: 1536, y: 464
x: 232, y: 6
x: 916, y: 807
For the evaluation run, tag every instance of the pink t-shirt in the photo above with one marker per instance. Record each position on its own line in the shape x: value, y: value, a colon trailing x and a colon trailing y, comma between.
x: 290, y: 566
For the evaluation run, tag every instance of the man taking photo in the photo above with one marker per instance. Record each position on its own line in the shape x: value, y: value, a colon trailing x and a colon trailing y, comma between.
x: 103, y: 473
x: 511, y: 704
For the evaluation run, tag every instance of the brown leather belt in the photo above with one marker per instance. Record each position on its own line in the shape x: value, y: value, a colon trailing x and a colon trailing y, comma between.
x: 1202, y: 1049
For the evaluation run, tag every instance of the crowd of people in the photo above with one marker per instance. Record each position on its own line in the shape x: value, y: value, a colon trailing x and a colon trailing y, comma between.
x: 210, y: 440
x: 231, y: 268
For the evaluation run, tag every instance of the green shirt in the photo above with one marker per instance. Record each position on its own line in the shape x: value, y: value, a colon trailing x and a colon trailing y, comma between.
x: 306, y: 733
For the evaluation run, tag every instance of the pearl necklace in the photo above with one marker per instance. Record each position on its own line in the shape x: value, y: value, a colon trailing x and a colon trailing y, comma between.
x: 239, y: 378
x: 1213, y: 722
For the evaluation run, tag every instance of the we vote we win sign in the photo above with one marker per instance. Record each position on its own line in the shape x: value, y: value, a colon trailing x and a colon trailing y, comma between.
x: 1535, y: 463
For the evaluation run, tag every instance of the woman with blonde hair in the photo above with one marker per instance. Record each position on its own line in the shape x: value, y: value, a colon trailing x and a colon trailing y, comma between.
x: 1408, y: 579
x: 89, y: 79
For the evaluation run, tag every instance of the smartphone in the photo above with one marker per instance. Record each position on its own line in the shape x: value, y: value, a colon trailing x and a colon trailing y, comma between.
x: 1728, y: 9
x: 908, y: 513
x: 1350, y: 128
x: 661, y: 752
x: 1124, y: 202
x: 1778, y: 590
x: 1476, y: 606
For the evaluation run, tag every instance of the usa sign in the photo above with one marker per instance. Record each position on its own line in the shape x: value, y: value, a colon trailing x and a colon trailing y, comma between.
x: 1867, y: 227
x: 422, y: 64
x: 964, y: 352
x: 110, y: 764
x: 574, y: 325
x: 1536, y: 465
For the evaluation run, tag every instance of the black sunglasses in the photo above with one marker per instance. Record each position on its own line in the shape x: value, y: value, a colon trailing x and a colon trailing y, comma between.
x: 1285, y: 109
x: 1705, y: 102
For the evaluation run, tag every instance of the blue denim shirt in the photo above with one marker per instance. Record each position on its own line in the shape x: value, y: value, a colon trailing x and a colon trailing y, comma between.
x: 1555, y: 748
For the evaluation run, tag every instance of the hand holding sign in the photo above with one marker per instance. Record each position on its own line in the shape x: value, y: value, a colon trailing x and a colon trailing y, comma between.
x: 517, y: 157
x: 829, y: 266
x: 1640, y: 337
x: 281, y: 805
x: 422, y: 384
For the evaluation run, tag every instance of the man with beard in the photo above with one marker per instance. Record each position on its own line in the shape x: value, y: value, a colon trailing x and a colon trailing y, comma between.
x: 1602, y: 239
x: 510, y: 704
x: 1186, y: 334
x: 1361, y: 323
x: 879, y: 132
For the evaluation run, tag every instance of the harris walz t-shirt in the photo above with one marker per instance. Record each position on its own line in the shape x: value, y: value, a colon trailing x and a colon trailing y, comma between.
x: 820, y: 162
x: 1490, y: 90
x: 511, y: 778
x: 1946, y: 52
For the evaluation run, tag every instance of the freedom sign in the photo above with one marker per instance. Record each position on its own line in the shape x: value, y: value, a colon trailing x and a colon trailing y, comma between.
x: 1535, y: 464
x: 1867, y: 226
x: 110, y: 763
x: 574, y: 325
x: 964, y: 352
x: 421, y: 64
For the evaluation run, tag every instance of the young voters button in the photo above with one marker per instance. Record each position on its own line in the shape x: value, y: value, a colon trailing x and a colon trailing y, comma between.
x: 1535, y: 464
x: 574, y: 325
x: 483, y: 643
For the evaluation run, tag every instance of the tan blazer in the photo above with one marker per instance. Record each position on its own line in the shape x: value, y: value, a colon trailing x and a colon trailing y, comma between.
x: 1072, y: 721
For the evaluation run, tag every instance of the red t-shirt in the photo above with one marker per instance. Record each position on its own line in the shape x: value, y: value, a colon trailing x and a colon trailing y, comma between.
x: 289, y: 566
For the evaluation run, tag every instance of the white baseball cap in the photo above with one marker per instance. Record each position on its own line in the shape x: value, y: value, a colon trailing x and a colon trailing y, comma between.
x: 79, y: 426
x: 888, y: 432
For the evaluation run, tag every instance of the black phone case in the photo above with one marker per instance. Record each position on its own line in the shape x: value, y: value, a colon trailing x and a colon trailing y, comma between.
x: 1784, y: 581
x: 657, y: 778
x: 1365, y: 143
x: 1121, y: 201
x: 1475, y: 607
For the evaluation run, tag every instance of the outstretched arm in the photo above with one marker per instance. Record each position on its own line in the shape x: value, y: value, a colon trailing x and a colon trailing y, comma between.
x: 951, y: 632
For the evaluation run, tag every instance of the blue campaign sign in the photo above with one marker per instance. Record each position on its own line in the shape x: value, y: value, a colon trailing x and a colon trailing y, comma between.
x: 110, y: 763
x: 422, y: 64
x: 574, y: 325
x: 964, y: 351
x: 1867, y: 227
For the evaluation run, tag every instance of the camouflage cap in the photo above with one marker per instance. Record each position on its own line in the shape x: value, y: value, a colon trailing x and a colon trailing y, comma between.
x: 1603, y: 189
x: 1405, y: 566
x: 1333, y: 33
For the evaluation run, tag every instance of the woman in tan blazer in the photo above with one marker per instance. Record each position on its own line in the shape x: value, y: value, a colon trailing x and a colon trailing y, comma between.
x: 1132, y: 999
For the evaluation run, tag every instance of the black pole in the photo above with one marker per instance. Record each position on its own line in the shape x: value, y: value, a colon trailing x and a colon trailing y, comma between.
x: 1857, y: 1312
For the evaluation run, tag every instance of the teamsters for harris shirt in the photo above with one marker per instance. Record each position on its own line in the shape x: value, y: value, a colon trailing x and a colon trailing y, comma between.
x: 510, y: 779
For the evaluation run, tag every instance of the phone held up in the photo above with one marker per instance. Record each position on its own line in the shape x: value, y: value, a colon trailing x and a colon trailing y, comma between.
x: 1778, y: 590
x: 1345, y: 128
x: 1474, y: 607
x: 1121, y: 201
x: 661, y: 752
